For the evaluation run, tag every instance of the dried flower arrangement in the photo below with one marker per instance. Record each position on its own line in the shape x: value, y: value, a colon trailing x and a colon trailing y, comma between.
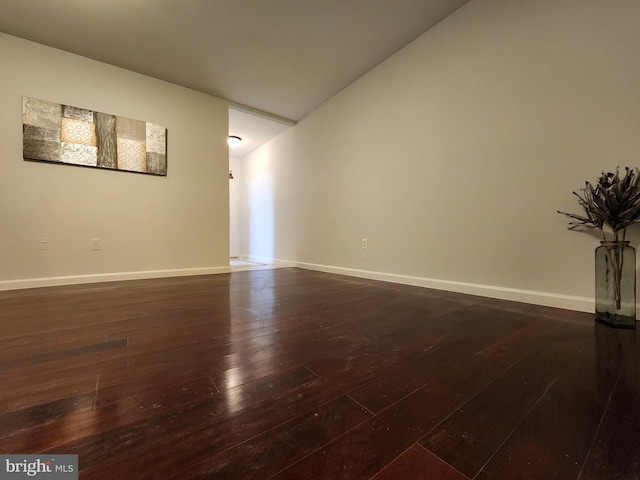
x: 614, y: 202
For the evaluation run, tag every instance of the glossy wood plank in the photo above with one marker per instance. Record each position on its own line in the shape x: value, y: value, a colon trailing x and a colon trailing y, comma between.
x: 521, y: 342
x: 46, y: 412
x: 68, y: 354
x: 25, y: 346
x: 470, y: 437
x: 290, y: 373
x: 19, y: 395
x: 365, y: 450
x: 143, y: 398
x: 133, y: 439
x: 466, y: 333
x: 616, y: 447
x: 265, y: 455
x: 616, y: 451
x: 597, y: 361
x: 554, y: 437
x: 417, y: 463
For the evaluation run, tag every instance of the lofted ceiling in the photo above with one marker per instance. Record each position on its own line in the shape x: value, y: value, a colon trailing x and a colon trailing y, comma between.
x: 280, y: 57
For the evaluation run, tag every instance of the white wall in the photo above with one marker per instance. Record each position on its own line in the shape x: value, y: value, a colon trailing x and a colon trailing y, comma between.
x: 148, y: 225
x: 235, y: 166
x: 453, y: 156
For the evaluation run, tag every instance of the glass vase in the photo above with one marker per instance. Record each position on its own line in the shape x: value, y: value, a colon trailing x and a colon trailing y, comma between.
x: 616, y: 284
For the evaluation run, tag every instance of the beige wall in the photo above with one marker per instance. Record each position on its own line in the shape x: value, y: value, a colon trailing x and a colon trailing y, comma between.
x: 148, y: 225
x: 453, y: 156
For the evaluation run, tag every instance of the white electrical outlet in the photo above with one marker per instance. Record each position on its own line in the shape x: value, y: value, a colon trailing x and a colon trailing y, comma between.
x: 97, y: 244
x: 365, y: 244
x: 43, y: 243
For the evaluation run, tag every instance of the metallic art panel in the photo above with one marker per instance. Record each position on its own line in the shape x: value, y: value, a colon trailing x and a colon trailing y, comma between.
x: 76, y: 136
x: 31, y: 132
x: 42, y: 150
x: 79, y: 154
x: 156, y: 138
x: 157, y: 163
x: 130, y: 129
x: 106, y: 140
x: 40, y: 113
x: 132, y: 155
x: 78, y: 132
x: 78, y: 113
x: 41, y: 143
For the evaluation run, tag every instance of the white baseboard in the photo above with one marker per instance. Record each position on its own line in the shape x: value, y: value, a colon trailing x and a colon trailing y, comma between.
x: 108, y: 277
x: 568, y: 302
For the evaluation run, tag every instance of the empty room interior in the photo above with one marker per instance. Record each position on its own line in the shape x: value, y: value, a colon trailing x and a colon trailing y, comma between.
x: 376, y: 284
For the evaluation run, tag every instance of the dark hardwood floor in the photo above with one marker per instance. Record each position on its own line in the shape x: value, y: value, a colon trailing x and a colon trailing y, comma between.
x: 294, y: 374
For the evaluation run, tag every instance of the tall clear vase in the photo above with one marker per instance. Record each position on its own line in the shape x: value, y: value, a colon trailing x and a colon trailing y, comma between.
x: 616, y: 284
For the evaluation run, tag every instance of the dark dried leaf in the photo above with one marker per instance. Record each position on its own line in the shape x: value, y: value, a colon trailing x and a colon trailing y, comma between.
x: 614, y: 202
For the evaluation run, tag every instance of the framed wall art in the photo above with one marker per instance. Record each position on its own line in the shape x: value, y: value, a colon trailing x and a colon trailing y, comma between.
x: 70, y: 135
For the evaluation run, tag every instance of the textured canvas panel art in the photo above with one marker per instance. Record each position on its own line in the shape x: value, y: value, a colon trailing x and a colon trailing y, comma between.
x: 77, y: 136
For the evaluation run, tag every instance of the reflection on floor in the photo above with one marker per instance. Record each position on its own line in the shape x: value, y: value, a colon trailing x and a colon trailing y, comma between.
x: 240, y: 264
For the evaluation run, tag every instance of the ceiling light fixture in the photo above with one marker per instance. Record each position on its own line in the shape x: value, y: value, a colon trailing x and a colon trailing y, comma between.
x: 234, y: 141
